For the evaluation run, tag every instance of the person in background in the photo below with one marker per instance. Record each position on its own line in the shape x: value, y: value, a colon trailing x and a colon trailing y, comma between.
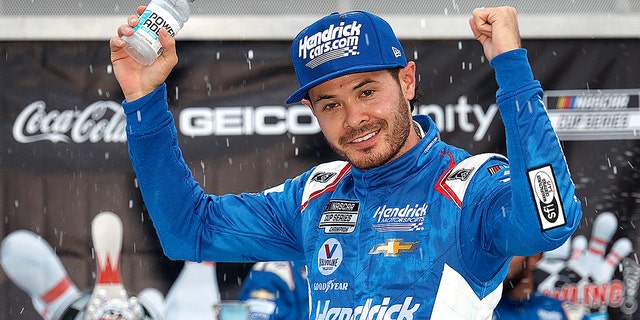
x: 521, y: 301
x: 277, y: 290
x: 406, y: 226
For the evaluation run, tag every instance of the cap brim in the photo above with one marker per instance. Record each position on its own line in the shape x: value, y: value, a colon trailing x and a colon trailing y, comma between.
x: 301, y: 93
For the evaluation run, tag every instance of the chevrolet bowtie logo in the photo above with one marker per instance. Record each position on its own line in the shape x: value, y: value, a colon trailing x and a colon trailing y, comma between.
x: 394, y: 247
x: 262, y: 295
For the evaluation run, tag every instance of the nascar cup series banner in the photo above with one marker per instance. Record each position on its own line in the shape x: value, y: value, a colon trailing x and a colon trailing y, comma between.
x: 63, y: 153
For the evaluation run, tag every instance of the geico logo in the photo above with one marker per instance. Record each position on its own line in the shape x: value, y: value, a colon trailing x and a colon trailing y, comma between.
x: 239, y: 121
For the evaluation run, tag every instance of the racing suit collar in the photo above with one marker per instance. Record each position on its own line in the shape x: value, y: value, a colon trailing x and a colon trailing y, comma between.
x: 397, y: 170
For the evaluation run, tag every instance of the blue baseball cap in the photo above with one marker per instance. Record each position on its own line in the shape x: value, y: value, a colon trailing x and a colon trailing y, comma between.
x: 340, y: 44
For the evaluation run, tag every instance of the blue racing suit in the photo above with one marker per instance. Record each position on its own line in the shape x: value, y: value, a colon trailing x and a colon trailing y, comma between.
x: 538, y: 307
x: 277, y: 290
x: 428, y: 235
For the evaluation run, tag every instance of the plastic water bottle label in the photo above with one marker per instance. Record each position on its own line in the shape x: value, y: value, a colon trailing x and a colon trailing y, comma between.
x: 151, y: 21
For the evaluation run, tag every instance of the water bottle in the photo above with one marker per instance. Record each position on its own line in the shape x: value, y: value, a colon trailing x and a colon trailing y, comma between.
x: 144, y: 45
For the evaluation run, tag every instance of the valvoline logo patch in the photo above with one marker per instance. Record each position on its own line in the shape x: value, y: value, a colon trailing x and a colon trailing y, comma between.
x: 329, y: 256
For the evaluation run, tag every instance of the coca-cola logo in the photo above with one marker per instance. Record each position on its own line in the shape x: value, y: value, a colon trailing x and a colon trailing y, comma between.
x: 101, y: 121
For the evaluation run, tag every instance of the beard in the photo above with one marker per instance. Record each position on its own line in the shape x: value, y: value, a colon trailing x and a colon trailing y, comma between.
x: 514, y: 277
x: 512, y: 281
x: 396, y: 134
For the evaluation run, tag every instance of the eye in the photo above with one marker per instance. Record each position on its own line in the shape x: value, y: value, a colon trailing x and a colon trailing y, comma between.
x: 367, y: 92
x: 329, y: 106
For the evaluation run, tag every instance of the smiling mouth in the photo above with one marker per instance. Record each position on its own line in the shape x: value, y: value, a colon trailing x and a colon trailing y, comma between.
x: 365, y: 138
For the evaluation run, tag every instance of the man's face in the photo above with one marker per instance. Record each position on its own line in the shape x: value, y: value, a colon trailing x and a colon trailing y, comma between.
x: 517, y: 269
x: 365, y: 117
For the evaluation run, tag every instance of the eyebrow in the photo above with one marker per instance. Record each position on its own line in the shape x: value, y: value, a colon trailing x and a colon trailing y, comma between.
x: 356, y: 87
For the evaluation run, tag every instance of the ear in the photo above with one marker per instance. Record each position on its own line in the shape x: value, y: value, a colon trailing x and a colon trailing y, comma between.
x: 533, y: 260
x: 308, y: 104
x: 407, y: 77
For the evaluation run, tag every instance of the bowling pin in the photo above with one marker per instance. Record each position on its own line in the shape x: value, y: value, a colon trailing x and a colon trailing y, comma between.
x: 193, y: 293
x: 578, y: 247
x: 603, y: 229
x: 30, y: 262
x: 554, y: 260
x: 152, y: 298
x: 559, y: 271
x: 620, y: 249
x: 560, y: 253
x: 578, y: 250
x: 109, y: 299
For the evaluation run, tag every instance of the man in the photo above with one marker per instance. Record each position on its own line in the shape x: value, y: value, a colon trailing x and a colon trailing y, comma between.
x: 521, y: 300
x: 407, y: 227
x: 277, y: 290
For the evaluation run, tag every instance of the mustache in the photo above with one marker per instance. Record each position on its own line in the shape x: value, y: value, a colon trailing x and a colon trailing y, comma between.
x: 356, y: 132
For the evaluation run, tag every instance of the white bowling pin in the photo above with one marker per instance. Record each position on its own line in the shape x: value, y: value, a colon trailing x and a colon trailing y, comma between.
x: 603, y: 229
x: 30, y: 262
x: 106, y: 235
x: 554, y: 260
x: 109, y: 299
x: 152, y: 298
x: 578, y: 247
x: 560, y: 253
x: 578, y: 250
x: 193, y: 293
x: 620, y: 249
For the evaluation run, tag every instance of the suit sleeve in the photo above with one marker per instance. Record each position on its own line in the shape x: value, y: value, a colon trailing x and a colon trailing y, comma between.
x: 191, y: 224
x: 538, y: 209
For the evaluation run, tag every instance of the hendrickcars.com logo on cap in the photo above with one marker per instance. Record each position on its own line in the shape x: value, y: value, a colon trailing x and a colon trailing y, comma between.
x: 341, y: 44
x: 332, y: 43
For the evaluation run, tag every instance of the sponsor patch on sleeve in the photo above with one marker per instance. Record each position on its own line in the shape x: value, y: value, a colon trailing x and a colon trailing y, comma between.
x: 546, y: 196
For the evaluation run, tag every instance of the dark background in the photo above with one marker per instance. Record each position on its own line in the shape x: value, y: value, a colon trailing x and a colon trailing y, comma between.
x: 55, y: 189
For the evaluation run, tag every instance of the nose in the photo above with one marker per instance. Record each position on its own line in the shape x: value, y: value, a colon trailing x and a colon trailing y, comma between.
x: 355, y: 115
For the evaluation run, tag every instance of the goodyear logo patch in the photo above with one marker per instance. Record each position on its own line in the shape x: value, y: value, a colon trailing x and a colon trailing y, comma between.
x: 339, y: 216
x: 547, y: 198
